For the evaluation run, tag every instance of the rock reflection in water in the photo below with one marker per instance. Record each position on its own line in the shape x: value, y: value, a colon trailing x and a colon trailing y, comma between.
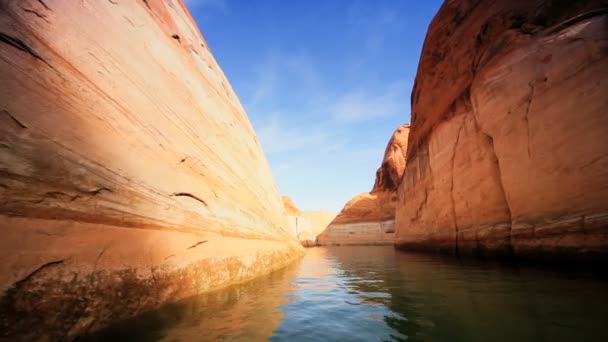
x: 244, y: 312
x: 375, y: 293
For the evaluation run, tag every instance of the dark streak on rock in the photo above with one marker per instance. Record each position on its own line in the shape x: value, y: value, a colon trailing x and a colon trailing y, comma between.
x: 41, y: 16
x: 43, y: 4
x: 129, y: 21
x: 185, y: 194
x: 97, y: 191
x: 99, y: 256
x: 19, y: 283
x: 20, y: 45
x: 528, y: 105
x: 113, y: 2
x: 176, y: 37
x: 454, y: 216
x: 196, y: 244
x: 422, y: 204
x: 66, y: 196
x: 183, y: 160
x: 147, y: 4
x: 15, y: 120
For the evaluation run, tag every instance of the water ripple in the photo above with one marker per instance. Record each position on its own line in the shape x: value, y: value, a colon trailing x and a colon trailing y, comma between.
x: 379, y: 294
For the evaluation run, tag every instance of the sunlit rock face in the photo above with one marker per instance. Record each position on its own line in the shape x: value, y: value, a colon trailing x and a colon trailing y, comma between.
x: 389, y: 175
x: 129, y: 172
x: 369, y: 218
x: 508, y: 150
x: 306, y: 225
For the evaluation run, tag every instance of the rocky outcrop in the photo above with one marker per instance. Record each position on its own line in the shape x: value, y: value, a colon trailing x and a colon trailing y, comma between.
x: 129, y: 172
x: 369, y: 218
x: 508, y: 151
x: 290, y: 207
x: 306, y: 225
x: 390, y: 173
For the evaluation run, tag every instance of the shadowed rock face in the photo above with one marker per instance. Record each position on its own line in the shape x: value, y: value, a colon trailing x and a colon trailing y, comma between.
x: 129, y: 172
x: 368, y: 218
x: 508, y: 150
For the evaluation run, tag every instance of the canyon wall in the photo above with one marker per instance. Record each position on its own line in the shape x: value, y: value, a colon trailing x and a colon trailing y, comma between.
x: 369, y: 218
x: 306, y: 225
x: 129, y: 172
x: 508, y: 150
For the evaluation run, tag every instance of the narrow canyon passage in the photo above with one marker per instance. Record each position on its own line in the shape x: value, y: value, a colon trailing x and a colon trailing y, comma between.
x: 159, y: 186
x: 374, y: 293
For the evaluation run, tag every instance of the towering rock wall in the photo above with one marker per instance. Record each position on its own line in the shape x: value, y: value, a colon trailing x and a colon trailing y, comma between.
x: 369, y: 218
x: 508, y: 152
x: 129, y: 172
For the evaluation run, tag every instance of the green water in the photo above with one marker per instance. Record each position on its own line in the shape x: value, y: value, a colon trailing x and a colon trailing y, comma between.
x: 378, y: 294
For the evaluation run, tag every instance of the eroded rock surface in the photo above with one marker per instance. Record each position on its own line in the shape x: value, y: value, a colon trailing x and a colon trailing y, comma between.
x: 306, y: 225
x: 129, y: 172
x: 369, y: 218
x: 508, y: 151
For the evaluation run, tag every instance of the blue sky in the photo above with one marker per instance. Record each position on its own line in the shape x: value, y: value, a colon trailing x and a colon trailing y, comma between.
x: 325, y: 83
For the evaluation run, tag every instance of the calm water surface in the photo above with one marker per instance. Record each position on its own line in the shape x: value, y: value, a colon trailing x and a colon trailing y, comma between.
x: 379, y: 294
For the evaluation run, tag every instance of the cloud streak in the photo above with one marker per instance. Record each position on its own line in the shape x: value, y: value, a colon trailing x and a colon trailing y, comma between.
x: 371, y: 104
x: 312, y: 133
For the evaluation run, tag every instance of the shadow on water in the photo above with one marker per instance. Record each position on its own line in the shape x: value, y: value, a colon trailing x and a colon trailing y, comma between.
x: 376, y: 293
x: 247, y: 312
x: 441, y: 298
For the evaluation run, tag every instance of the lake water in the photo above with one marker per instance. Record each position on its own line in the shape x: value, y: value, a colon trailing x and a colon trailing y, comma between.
x: 375, y: 293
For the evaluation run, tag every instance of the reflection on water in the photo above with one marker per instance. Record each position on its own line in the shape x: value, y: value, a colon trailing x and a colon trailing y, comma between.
x: 376, y: 293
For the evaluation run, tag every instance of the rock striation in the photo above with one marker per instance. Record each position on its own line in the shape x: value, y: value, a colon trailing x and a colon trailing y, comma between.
x: 129, y: 172
x: 306, y: 225
x: 508, y: 150
x: 369, y: 218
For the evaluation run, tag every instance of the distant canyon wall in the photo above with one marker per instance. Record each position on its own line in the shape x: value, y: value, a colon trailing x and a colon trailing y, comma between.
x: 508, y: 150
x: 306, y: 225
x: 129, y: 172
x: 369, y: 218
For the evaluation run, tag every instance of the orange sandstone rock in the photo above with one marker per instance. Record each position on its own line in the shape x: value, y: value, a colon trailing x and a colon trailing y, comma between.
x: 290, y: 207
x: 129, y: 172
x: 389, y: 175
x: 368, y: 218
x: 508, y: 151
x: 306, y: 225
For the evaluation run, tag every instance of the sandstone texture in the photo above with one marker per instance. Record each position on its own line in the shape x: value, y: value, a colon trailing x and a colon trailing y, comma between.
x: 306, y: 225
x: 390, y: 173
x: 129, y: 172
x: 369, y: 218
x: 508, y: 150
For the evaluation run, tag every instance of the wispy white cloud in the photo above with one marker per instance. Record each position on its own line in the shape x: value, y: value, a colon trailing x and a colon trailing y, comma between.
x: 281, y: 137
x: 312, y: 133
x: 376, y: 24
x: 370, y: 104
x: 280, y: 73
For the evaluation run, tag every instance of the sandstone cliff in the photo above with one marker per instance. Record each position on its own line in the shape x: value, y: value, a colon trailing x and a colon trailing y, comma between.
x: 129, y: 172
x: 368, y: 218
x: 508, y: 151
x: 306, y: 225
